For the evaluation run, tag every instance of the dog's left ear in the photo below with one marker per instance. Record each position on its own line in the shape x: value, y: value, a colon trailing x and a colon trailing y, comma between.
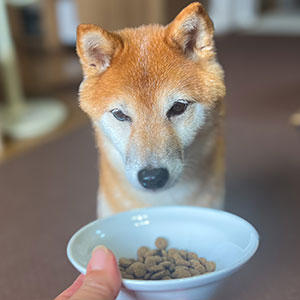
x: 96, y: 47
x: 192, y: 32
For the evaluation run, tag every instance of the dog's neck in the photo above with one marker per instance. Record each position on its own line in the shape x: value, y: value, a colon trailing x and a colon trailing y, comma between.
x: 201, y: 184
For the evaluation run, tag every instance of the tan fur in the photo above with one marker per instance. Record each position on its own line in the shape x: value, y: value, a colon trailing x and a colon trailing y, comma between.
x: 141, y: 66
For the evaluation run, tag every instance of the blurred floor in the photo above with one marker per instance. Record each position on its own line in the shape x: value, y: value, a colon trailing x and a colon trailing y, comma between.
x: 263, y: 160
x: 48, y: 193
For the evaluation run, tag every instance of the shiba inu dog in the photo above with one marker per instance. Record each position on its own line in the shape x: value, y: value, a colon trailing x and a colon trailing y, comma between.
x: 154, y: 96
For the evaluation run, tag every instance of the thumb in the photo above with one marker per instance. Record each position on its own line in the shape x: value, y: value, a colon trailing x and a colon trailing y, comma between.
x: 102, y: 280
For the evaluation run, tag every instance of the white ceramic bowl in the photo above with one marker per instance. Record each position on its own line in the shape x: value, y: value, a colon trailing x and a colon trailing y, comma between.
x: 225, y: 238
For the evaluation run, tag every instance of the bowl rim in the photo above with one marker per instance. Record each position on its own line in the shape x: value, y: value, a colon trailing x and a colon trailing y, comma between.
x: 159, y: 285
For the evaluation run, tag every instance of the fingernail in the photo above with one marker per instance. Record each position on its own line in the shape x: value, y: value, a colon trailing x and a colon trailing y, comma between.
x: 99, y: 258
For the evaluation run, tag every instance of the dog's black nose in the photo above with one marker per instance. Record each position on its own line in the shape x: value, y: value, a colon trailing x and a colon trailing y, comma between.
x: 153, y: 178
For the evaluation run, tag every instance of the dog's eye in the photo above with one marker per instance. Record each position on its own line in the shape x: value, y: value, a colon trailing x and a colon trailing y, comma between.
x: 119, y: 115
x: 178, y: 108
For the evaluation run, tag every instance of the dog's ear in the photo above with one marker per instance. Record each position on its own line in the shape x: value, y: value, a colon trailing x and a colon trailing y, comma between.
x: 192, y: 32
x: 96, y: 48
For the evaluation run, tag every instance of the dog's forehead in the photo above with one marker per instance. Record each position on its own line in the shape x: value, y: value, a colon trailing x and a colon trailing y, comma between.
x: 147, y: 64
x: 144, y: 45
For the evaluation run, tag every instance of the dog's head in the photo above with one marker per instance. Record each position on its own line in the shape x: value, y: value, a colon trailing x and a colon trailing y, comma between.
x: 150, y: 90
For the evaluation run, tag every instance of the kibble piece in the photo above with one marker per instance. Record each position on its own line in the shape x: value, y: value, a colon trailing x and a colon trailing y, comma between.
x: 179, y: 261
x: 164, y: 253
x: 195, y: 264
x: 152, y: 252
x: 181, y: 272
x: 182, y: 268
x: 167, y: 272
x: 155, y: 268
x: 166, y: 277
x: 127, y: 276
x: 139, y: 269
x: 142, y: 251
x: 172, y: 251
x: 152, y: 260
x: 161, y: 243
x: 147, y: 276
x: 183, y: 254
x: 202, y: 260
x: 210, y: 266
x: 130, y: 270
x: 192, y: 255
x: 171, y: 259
x: 194, y: 272
x: 172, y: 267
x: 158, y: 275
x: 157, y: 258
x: 165, y: 264
x: 122, y: 269
x: 126, y: 262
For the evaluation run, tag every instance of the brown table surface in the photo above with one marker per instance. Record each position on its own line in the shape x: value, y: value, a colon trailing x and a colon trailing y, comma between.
x: 50, y: 192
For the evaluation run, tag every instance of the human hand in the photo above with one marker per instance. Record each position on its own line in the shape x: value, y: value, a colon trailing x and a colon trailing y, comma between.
x: 101, y: 282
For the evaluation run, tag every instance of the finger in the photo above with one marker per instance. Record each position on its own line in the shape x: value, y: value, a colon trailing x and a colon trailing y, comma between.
x: 102, y: 280
x: 66, y: 294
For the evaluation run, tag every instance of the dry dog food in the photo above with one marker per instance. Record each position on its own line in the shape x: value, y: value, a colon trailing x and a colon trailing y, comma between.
x: 160, y: 263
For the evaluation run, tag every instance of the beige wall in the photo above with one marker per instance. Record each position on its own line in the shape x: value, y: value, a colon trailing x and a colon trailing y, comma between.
x: 117, y: 14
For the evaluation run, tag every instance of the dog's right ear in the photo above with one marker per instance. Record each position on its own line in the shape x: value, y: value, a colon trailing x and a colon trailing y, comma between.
x: 96, y: 48
x: 192, y: 32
